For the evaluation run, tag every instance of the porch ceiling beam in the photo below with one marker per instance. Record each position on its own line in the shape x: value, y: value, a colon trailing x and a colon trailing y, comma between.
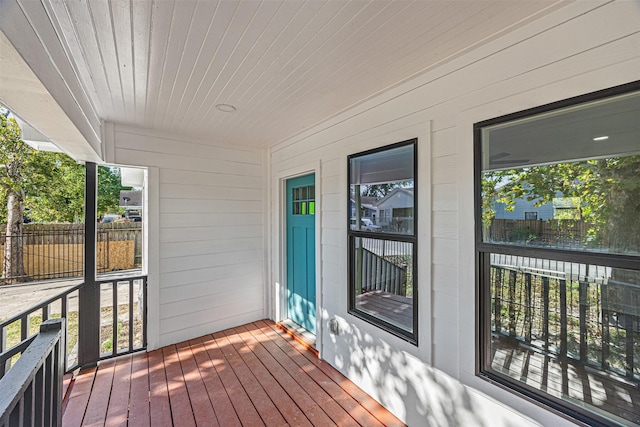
x: 39, y: 84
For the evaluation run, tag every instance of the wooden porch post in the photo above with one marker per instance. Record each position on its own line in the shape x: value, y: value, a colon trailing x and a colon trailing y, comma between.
x: 89, y: 293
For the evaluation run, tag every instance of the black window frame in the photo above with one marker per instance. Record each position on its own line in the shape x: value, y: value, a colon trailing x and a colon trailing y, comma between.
x: 352, y: 235
x: 483, y: 251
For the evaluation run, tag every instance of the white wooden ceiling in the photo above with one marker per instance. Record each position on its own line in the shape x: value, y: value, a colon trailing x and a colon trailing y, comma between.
x: 285, y: 65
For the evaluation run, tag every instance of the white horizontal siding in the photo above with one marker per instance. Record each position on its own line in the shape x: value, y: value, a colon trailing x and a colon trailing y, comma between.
x: 210, y: 231
x: 565, y: 54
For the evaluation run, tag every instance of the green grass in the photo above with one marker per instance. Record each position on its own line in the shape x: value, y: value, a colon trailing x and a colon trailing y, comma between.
x: 13, y: 331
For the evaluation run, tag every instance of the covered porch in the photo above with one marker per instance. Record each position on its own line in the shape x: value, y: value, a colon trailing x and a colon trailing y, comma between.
x: 252, y: 375
x: 225, y: 103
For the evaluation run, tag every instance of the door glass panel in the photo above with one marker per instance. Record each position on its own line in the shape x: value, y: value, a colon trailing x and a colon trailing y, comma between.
x: 303, y: 200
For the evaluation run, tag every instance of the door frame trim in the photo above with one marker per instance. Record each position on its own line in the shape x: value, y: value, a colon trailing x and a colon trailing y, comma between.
x: 279, y: 261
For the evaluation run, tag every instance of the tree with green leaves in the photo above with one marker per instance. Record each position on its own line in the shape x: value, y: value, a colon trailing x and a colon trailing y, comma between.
x: 380, y: 190
x: 608, y: 191
x: 14, y: 161
x: 46, y: 187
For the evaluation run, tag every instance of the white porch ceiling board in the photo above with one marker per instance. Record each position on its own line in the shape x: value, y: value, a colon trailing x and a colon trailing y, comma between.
x: 445, y: 38
x: 183, y: 13
x: 242, y: 50
x: 234, y: 30
x: 141, y: 31
x: 69, y: 38
x: 193, y: 55
x: 122, y: 32
x: 36, y: 12
x: 83, y: 45
x: 323, y: 48
x: 265, y: 50
x: 282, y: 55
x: 285, y: 65
x: 352, y: 67
x: 218, y: 23
x: 100, y: 15
x: 478, y: 25
x: 161, y: 21
x: 335, y: 80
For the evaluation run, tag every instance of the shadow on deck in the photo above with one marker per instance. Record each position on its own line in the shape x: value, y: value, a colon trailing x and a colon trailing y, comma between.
x: 251, y: 375
x: 600, y: 390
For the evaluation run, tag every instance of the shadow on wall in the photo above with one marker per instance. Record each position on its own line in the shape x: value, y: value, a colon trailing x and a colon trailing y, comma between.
x: 413, y: 390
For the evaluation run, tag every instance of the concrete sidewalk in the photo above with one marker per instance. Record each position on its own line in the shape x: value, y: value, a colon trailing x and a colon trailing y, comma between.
x: 15, y: 299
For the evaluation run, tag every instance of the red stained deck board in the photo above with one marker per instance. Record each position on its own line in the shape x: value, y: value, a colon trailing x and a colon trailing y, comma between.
x: 202, y: 408
x: 68, y: 379
x: 247, y: 413
x: 318, y: 406
x: 181, y: 410
x: 264, y: 405
x: 287, y: 407
x: 218, y: 396
x: 347, y: 394
x: 118, y: 410
x: 159, y: 406
x: 251, y: 375
x: 366, y: 401
x: 139, y: 395
x: 78, y: 398
x: 96, y: 412
x: 309, y: 364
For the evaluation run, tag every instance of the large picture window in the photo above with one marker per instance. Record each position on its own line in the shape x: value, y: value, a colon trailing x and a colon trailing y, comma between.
x: 558, y: 244
x: 382, y: 238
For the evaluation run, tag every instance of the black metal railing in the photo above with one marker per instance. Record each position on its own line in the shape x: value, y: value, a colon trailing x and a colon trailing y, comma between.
x: 15, y: 331
x: 32, y: 390
x: 55, y: 251
x: 578, y: 313
x: 123, y: 315
x: 378, y: 274
x: 122, y: 328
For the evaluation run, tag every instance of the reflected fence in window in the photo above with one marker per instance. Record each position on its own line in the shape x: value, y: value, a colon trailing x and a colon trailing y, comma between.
x: 386, y: 266
x: 569, y: 329
x: 384, y: 280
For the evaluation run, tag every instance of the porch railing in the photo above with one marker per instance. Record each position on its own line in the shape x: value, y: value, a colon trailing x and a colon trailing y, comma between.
x: 582, y: 317
x: 378, y: 274
x: 122, y: 327
x: 123, y: 315
x: 17, y: 331
x: 32, y: 389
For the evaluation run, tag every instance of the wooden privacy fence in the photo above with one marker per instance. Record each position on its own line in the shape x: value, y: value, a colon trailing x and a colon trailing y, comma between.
x: 562, y: 232
x: 52, y: 251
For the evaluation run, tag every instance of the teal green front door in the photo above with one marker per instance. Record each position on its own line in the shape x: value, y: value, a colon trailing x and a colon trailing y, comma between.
x: 301, y: 251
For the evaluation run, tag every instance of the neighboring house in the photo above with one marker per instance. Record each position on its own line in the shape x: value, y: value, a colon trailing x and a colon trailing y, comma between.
x: 226, y: 103
x: 131, y: 202
x: 131, y: 199
x: 559, y: 208
x: 525, y: 209
x: 368, y: 208
x: 395, y: 210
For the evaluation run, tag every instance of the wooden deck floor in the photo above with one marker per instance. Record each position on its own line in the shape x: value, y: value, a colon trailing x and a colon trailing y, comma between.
x: 395, y: 309
x: 600, y: 390
x: 252, y: 375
